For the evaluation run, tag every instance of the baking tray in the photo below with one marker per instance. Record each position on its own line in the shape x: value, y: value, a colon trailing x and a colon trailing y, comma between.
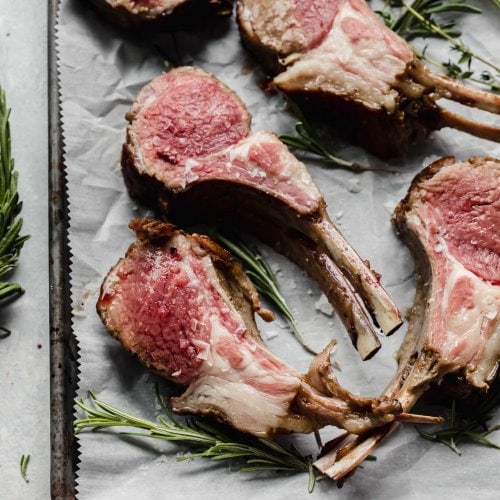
x: 63, y: 348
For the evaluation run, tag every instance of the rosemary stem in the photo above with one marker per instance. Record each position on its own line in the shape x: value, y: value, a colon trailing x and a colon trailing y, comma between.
x: 262, y: 276
x: 437, y: 30
x: 208, y: 441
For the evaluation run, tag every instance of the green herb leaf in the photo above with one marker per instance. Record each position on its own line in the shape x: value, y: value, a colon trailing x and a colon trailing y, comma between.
x: 308, y: 140
x: 23, y: 464
x: 207, y: 441
x: 421, y: 19
x: 11, y: 241
x: 468, y: 425
x: 262, y: 276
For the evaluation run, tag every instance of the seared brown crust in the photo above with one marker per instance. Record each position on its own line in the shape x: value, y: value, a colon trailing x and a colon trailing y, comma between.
x: 420, y: 366
x: 253, y: 210
x: 383, y: 134
x: 265, y: 56
x: 188, y: 14
x: 352, y: 110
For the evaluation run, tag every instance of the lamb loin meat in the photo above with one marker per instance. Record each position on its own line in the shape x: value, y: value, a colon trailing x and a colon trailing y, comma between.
x: 450, y: 220
x: 185, y: 308
x: 190, y: 155
x: 162, y: 15
x: 338, y: 60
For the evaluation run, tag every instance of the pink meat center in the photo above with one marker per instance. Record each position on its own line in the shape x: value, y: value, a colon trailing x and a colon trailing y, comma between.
x: 167, y: 303
x: 194, y: 118
x: 316, y: 18
x: 467, y: 215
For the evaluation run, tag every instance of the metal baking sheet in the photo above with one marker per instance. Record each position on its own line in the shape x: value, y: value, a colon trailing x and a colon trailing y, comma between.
x: 101, y: 71
x: 63, y: 349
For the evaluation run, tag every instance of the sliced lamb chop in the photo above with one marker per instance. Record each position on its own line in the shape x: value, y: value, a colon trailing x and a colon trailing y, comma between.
x: 337, y: 59
x: 189, y: 154
x: 450, y: 220
x: 185, y: 308
x: 164, y: 15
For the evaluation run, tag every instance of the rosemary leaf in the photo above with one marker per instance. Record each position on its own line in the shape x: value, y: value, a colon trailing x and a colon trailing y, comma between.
x: 207, y: 441
x: 308, y: 140
x: 11, y: 241
x: 468, y: 425
x: 423, y: 19
x: 23, y: 464
x: 263, y: 278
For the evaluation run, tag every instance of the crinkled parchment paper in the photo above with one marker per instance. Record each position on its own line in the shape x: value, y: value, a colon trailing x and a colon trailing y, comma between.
x: 101, y: 71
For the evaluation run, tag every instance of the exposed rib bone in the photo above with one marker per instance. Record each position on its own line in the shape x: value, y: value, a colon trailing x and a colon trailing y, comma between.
x: 339, y: 291
x: 185, y: 308
x: 320, y: 266
x: 429, y: 349
x: 362, y: 278
x: 455, y: 90
x: 349, y: 452
x: 489, y: 132
x: 322, y: 396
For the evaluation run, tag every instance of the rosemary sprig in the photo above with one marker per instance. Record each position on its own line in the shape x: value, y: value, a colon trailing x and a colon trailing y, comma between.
x: 207, y: 441
x: 468, y: 425
x: 440, y: 30
x: 23, y: 464
x: 409, y: 24
x: 307, y: 139
x: 420, y: 19
x: 10, y: 224
x: 262, y: 276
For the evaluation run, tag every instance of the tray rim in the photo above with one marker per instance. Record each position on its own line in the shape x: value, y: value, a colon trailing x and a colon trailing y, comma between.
x: 63, y: 347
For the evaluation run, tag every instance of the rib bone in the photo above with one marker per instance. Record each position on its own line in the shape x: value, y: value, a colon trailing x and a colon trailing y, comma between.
x: 450, y: 219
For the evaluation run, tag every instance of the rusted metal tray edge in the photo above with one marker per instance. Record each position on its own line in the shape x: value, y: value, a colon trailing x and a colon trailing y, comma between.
x: 63, y: 347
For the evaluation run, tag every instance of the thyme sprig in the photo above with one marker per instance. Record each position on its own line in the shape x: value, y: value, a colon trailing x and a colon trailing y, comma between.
x: 307, y: 139
x: 11, y: 241
x: 421, y: 19
x: 262, y: 276
x: 206, y: 441
x: 469, y: 425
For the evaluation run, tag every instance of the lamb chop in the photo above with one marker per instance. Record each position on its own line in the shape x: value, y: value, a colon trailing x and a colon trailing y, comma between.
x: 185, y: 308
x: 190, y: 155
x: 163, y: 15
x: 450, y: 220
x: 337, y: 59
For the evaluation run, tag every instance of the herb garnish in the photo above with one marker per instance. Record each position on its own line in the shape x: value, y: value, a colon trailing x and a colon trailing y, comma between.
x: 10, y: 224
x: 262, y: 276
x: 469, y: 425
x: 307, y: 139
x: 421, y: 19
x: 208, y: 441
x: 23, y: 464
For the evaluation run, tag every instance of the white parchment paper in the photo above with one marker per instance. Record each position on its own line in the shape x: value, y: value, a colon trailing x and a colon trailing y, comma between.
x: 101, y: 71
